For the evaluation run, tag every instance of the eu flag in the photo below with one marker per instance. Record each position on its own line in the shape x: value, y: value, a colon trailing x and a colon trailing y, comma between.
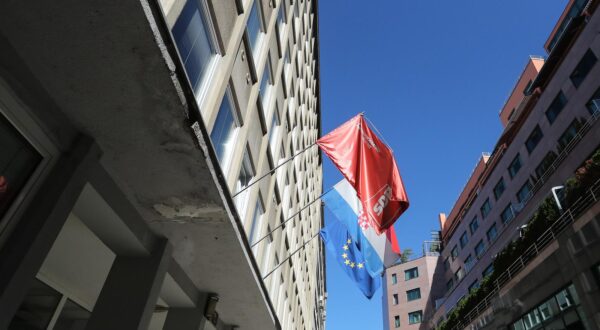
x: 346, y: 251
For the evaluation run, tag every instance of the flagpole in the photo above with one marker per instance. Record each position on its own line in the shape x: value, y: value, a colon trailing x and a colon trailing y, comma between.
x: 291, y: 217
x: 291, y: 255
x: 274, y: 169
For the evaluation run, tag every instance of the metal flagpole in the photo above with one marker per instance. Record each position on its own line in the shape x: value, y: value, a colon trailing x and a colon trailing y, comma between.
x: 291, y: 255
x: 274, y: 169
x: 291, y: 217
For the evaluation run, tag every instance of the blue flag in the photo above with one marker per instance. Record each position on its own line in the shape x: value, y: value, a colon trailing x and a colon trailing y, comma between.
x: 346, y: 251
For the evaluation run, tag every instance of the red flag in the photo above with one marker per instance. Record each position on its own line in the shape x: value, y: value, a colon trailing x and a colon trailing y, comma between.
x: 369, y: 165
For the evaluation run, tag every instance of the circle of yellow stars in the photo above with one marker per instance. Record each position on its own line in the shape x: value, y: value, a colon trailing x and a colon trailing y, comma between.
x: 347, y: 261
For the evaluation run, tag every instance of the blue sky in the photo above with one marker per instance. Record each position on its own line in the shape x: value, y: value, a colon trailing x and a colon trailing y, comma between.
x: 432, y: 76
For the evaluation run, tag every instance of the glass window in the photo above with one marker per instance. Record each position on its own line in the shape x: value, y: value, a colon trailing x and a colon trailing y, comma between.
x: 531, y: 319
x: 534, y: 138
x: 545, y: 164
x: 275, y: 123
x: 473, y: 286
x: 474, y: 225
x: 18, y: 161
x: 464, y: 239
x: 582, y: 69
x: 492, y: 233
x: 524, y: 193
x: 223, y: 132
x: 254, y: 26
x: 397, y: 321
x: 449, y: 284
x: 244, y: 178
x: 488, y: 271
x: 265, y: 83
x: 514, y: 166
x: 507, y: 214
x: 556, y: 107
x: 486, y: 208
x: 413, y: 294
x: 415, y: 317
x: 411, y: 273
x: 568, y: 135
x: 499, y: 188
x: 454, y: 252
x: 459, y: 274
x: 395, y: 299
x: 479, y: 248
x: 255, y: 224
x: 593, y: 105
x: 394, y: 279
x: 193, y: 42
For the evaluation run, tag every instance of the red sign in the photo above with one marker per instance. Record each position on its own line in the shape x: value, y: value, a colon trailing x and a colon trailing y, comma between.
x: 369, y: 165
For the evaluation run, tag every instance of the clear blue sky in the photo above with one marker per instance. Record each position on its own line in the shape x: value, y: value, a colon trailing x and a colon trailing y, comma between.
x: 432, y: 76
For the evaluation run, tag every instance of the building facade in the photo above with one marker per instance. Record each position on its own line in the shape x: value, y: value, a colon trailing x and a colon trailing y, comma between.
x: 158, y: 165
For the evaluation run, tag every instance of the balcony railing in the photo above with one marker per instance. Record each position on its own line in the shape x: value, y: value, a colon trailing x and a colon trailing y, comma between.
x: 568, y: 217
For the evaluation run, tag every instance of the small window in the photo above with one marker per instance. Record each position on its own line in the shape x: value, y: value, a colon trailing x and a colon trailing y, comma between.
x: 413, y: 294
x: 464, y: 239
x: 244, y: 178
x: 534, y: 138
x: 411, y: 273
x: 479, y: 248
x: 499, y: 188
x: 545, y: 164
x: 223, y: 132
x: 459, y: 274
x: 415, y: 317
x: 395, y: 299
x: 474, y: 225
x: 454, y: 253
x: 254, y: 26
x: 582, y: 69
x: 468, y: 262
x: 275, y: 123
x: 492, y: 233
x: 514, y: 166
x: 486, y: 208
x: 524, y: 193
x: 449, y: 284
x: 593, y: 105
x: 266, y: 83
x: 507, y: 214
x: 556, y: 107
x: 569, y: 134
x: 394, y: 279
x: 447, y: 263
x: 397, y: 321
x: 259, y: 210
x: 474, y: 286
x: 488, y: 271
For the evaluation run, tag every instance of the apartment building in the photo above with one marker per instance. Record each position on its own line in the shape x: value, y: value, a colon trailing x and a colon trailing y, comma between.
x: 550, y: 130
x: 132, y: 135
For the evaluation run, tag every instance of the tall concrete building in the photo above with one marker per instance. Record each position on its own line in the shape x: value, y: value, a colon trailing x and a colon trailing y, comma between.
x: 132, y: 133
x: 551, y: 129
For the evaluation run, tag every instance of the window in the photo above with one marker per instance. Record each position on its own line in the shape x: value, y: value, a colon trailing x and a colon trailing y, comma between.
x: 486, y: 208
x: 556, y: 107
x: 568, y: 135
x: 474, y: 225
x: 459, y: 274
x: 507, y: 214
x: 411, y: 273
x: 413, y: 294
x: 473, y: 286
x: 415, y: 317
x: 397, y: 321
x: 479, y: 248
x: 265, y: 83
x: 267, y: 251
x: 583, y: 68
x: 449, y: 284
x: 488, y: 271
x: 275, y: 122
x: 18, y: 161
x: 395, y: 299
x: 447, y: 263
x: 454, y: 252
x: 469, y: 262
x: 492, y: 233
x: 244, y: 178
x: 255, y: 224
x: 524, y: 193
x: 254, y: 27
x: 223, y: 132
x: 394, y: 279
x: 281, y: 19
x: 593, y: 105
x: 464, y: 239
x: 514, y: 166
x: 499, y: 188
x: 544, y: 165
x: 534, y: 138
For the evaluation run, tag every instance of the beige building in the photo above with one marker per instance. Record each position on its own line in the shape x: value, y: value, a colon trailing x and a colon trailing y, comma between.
x: 132, y: 135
